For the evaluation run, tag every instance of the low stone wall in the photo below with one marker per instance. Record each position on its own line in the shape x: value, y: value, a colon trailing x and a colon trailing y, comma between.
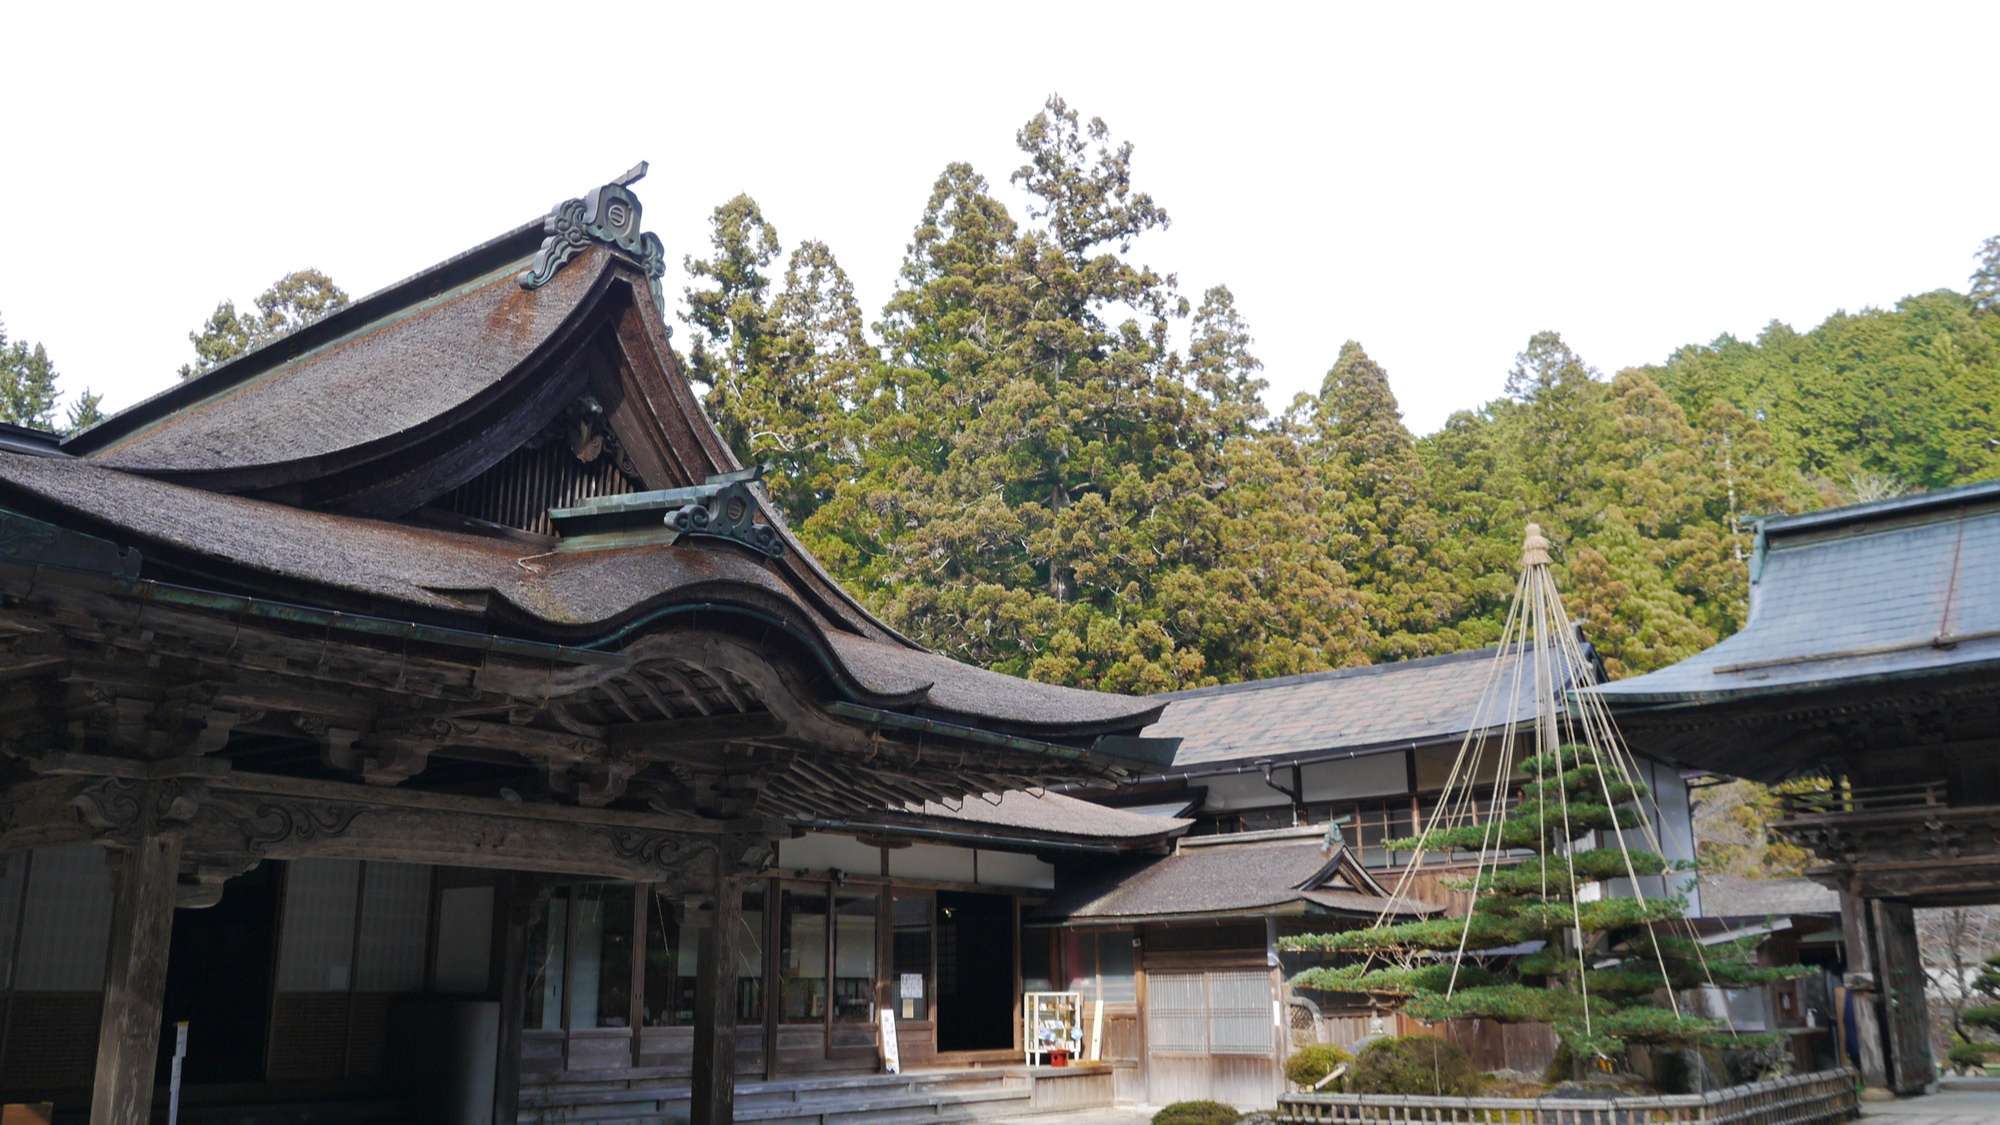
x: 1805, y: 1099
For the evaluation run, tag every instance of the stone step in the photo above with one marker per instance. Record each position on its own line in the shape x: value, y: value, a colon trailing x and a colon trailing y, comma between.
x: 842, y: 1107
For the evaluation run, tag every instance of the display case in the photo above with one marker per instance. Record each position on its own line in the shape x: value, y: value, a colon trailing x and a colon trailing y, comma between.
x: 1052, y: 1027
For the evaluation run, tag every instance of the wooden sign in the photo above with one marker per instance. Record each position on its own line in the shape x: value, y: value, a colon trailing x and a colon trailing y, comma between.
x: 892, y: 1062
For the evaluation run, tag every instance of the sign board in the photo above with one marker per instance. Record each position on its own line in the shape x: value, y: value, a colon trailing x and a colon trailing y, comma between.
x: 892, y: 1062
x: 174, y: 1083
x: 912, y: 987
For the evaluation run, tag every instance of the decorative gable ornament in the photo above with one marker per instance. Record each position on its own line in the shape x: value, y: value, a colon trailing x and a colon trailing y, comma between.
x: 722, y: 507
x: 609, y: 215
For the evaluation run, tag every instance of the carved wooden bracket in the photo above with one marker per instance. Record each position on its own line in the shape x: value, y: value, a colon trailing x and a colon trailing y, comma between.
x: 121, y: 811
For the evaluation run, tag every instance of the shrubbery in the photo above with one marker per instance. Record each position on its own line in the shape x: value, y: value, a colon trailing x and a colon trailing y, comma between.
x: 1196, y: 1113
x: 1311, y: 1063
x: 1413, y: 1064
x: 1967, y: 1056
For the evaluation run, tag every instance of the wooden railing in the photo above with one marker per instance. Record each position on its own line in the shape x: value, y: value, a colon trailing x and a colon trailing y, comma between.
x: 1805, y: 1099
x: 1842, y: 800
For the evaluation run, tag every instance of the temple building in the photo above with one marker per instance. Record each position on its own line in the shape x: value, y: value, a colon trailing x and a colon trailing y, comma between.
x: 441, y: 649
x: 1869, y: 664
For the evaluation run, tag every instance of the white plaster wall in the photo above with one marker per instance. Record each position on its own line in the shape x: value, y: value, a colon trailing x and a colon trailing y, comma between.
x: 931, y: 861
x: 1673, y: 821
x: 822, y: 851
x: 1011, y: 869
x: 1242, y: 791
x: 1377, y: 775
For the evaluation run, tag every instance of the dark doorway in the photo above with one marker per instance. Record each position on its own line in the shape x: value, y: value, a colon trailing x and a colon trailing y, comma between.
x: 219, y: 980
x: 975, y: 972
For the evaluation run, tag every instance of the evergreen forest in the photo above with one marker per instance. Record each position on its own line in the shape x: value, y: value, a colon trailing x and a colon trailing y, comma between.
x: 1047, y: 459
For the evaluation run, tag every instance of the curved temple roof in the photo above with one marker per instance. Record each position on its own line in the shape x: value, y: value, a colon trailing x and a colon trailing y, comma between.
x: 342, y: 395
x: 223, y: 480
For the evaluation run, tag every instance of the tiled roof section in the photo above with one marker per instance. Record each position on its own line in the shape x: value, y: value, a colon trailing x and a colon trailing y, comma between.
x: 965, y: 690
x: 1731, y: 896
x: 569, y: 593
x: 1210, y: 880
x: 1414, y: 701
x: 1884, y: 590
x: 1054, y: 814
x: 384, y: 377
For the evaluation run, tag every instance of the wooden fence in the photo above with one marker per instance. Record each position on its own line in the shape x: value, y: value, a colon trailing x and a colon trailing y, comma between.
x: 1806, y: 1099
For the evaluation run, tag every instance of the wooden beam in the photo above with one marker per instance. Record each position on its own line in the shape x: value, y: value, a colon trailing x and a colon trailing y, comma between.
x: 714, y: 1094
x: 135, y: 982
x: 705, y: 731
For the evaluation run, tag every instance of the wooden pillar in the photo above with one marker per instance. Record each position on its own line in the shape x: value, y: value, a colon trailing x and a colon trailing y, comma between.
x: 135, y: 980
x: 714, y: 1094
x: 1858, y: 937
x: 519, y: 895
x: 1899, y: 972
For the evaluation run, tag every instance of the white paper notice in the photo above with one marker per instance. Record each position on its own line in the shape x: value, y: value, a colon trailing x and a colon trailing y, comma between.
x: 912, y: 986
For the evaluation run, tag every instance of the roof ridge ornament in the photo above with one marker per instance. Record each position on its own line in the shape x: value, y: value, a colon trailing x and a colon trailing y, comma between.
x: 609, y: 215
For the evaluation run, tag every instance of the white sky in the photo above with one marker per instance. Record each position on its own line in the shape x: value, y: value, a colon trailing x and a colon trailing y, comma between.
x: 1438, y: 182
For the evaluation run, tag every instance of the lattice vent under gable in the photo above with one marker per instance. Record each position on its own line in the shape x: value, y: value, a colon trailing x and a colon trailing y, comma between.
x: 573, y: 459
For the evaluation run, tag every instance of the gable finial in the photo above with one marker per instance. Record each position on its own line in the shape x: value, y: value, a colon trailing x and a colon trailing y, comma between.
x: 609, y: 215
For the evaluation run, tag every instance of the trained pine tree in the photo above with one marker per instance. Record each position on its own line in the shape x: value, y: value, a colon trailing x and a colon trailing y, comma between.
x: 1987, y: 985
x: 1560, y: 885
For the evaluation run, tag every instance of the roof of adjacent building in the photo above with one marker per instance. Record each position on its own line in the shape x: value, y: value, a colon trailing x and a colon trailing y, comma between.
x: 1735, y: 896
x: 1223, y: 876
x: 1873, y: 592
x: 1430, y: 700
x: 1046, y: 812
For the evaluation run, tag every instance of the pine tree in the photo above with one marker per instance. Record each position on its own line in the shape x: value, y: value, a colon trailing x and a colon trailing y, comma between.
x: 292, y: 302
x: 1034, y: 474
x: 1599, y: 978
x: 1984, y: 287
x: 27, y: 384
x: 85, y: 412
x: 1608, y: 967
x: 1987, y: 985
x: 1369, y: 468
x: 1220, y: 364
x: 731, y: 316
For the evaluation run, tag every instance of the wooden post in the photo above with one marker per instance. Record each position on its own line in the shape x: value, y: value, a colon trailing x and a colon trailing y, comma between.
x: 518, y: 894
x: 714, y: 1094
x: 135, y: 981
x: 1857, y: 935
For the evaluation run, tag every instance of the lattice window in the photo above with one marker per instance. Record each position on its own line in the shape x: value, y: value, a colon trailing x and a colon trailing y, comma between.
x: 1239, y: 1013
x: 316, y: 943
x: 574, y: 460
x: 395, y: 921
x: 69, y: 921
x: 1177, y: 1013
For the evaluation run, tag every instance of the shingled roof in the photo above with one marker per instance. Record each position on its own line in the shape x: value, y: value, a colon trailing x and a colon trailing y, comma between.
x: 304, y: 473
x: 1880, y: 591
x: 1732, y: 896
x: 1213, y: 876
x: 1351, y: 710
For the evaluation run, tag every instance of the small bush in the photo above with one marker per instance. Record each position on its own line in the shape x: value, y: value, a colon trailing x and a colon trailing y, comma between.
x: 1413, y: 1064
x: 1562, y: 1065
x: 1967, y: 1056
x: 1312, y: 1063
x: 1196, y: 1113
